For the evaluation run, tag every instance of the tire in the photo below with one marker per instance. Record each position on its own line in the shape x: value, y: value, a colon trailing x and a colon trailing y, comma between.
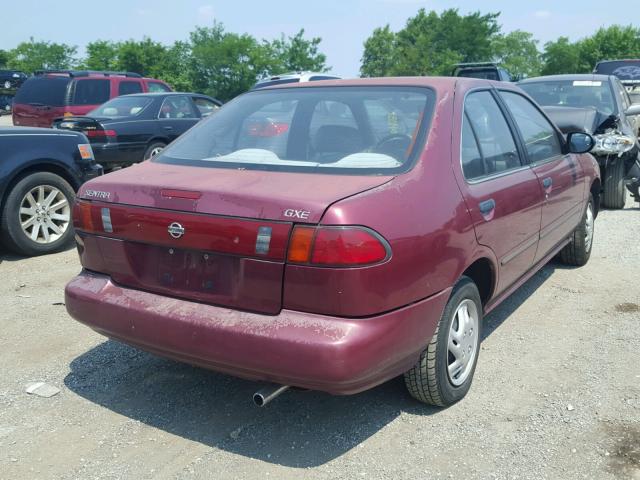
x: 429, y: 380
x: 53, y: 219
x: 153, y: 149
x: 577, y: 252
x: 614, y: 190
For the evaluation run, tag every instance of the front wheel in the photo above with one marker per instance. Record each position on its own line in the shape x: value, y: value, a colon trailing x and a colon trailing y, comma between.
x: 614, y: 194
x: 443, y: 374
x: 36, y: 218
x: 578, y: 251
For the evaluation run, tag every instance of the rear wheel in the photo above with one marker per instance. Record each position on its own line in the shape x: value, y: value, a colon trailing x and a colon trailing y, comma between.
x: 614, y: 190
x: 36, y: 218
x: 154, y: 149
x: 443, y: 374
x: 577, y: 252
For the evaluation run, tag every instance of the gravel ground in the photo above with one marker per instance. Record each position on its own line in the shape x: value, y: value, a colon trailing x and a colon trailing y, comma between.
x: 556, y: 393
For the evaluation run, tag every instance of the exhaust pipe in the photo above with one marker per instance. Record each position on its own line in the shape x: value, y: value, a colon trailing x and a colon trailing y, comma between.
x: 268, y: 393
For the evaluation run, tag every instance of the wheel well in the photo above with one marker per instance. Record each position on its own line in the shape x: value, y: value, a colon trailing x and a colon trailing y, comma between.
x: 41, y: 167
x: 596, y: 188
x: 482, y: 274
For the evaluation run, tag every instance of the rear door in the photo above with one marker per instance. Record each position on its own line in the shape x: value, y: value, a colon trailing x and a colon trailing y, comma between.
x: 87, y: 94
x: 127, y: 87
x: 502, y: 193
x: 177, y: 115
x: 561, y: 177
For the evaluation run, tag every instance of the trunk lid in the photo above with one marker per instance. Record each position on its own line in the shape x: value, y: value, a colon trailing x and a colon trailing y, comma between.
x: 212, y: 235
x: 90, y: 126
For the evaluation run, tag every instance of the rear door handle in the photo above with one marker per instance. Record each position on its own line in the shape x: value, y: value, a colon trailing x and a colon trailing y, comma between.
x: 487, y: 206
x: 168, y: 127
x: 547, y: 183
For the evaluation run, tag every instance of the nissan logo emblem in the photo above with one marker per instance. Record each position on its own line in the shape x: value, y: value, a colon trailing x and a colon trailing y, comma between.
x: 175, y: 230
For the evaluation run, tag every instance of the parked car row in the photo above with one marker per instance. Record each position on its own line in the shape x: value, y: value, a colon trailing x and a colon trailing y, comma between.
x: 10, y: 82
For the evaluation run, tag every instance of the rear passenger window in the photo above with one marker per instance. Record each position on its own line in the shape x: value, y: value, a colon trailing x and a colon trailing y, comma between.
x: 91, y: 92
x: 125, y: 88
x: 158, y: 87
x: 488, y: 128
x: 540, y: 138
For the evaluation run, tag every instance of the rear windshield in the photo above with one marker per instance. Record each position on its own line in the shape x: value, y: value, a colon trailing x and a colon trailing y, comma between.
x: 50, y: 91
x: 350, y: 130
x: 91, y: 92
x: 573, y: 93
x: 623, y: 69
x: 121, y: 107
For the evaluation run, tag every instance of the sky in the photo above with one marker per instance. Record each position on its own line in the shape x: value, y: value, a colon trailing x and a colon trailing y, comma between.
x: 343, y: 25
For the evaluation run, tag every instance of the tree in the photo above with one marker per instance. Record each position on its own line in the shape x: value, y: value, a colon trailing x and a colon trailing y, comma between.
x: 226, y: 64
x: 609, y: 43
x: 4, y: 58
x: 431, y: 43
x: 517, y: 52
x: 560, y: 56
x: 378, y: 57
x: 295, y: 53
x: 101, y: 55
x: 30, y: 56
x: 144, y: 57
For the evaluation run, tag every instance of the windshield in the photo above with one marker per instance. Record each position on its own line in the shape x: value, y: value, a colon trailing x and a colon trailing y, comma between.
x: 121, y: 107
x: 351, y: 130
x: 572, y: 93
x: 625, y: 70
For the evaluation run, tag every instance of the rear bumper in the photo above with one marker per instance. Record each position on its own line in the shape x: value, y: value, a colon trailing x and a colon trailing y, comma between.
x: 336, y: 355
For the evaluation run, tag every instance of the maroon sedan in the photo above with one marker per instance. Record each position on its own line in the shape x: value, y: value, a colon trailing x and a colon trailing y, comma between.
x: 334, y: 235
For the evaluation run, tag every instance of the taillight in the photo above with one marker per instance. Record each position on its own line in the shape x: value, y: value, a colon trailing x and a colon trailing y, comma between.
x: 337, y: 246
x: 91, y: 218
x: 83, y: 216
x: 100, y: 133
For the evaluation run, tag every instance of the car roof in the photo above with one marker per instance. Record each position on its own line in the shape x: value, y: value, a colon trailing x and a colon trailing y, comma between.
x: 438, y: 83
x: 163, y: 94
x: 576, y: 76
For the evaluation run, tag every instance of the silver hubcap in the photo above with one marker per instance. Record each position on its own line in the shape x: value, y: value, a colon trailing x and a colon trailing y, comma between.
x: 155, y: 152
x: 7, y: 84
x: 45, y: 214
x: 463, y: 340
x: 588, y: 228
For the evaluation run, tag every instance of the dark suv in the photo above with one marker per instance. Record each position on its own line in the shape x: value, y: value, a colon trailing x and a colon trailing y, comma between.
x: 56, y: 93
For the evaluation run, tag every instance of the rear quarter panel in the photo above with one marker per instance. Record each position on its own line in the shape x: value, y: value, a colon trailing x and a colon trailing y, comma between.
x: 423, y: 217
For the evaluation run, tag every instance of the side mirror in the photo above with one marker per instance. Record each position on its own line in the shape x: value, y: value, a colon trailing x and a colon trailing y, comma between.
x: 633, y: 110
x: 580, y: 142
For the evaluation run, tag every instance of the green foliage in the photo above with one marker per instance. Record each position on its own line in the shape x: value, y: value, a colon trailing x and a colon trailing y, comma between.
x: 294, y: 54
x: 101, y: 55
x: 609, y: 43
x: 430, y: 44
x: 518, y: 53
x: 561, y: 56
x: 4, y: 58
x: 226, y: 64
x: 32, y: 55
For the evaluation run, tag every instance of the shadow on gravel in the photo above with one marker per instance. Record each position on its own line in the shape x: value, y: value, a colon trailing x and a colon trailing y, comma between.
x: 7, y: 256
x: 300, y: 429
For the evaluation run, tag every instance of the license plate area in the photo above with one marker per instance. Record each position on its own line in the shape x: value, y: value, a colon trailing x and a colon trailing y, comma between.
x: 191, y: 271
